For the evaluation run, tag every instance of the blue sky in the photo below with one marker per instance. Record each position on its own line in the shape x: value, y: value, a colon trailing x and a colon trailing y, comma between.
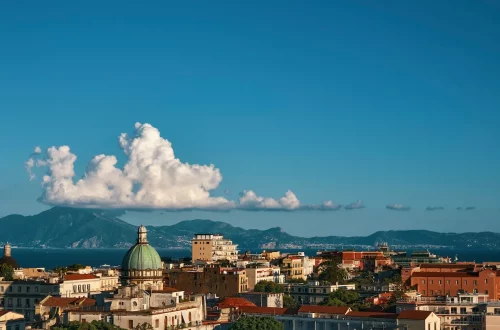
x: 391, y: 103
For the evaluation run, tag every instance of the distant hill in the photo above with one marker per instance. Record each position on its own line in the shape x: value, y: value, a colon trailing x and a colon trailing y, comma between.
x: 80, y: 228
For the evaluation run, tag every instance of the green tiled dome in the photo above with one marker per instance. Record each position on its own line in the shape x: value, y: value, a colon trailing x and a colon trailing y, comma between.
x: 141, y: 257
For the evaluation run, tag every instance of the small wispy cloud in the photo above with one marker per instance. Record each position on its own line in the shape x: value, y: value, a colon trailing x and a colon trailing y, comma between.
x: 434, y: 208
x: 355, y: 205
x: 397, y: 207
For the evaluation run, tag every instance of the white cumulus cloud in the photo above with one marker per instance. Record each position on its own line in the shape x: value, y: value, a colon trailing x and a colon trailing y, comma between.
x: 151, y: 178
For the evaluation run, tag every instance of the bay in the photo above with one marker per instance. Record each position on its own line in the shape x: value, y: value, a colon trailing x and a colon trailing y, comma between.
x: 51, y: 258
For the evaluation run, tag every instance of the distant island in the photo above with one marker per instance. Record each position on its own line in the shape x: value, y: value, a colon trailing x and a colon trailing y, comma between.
x: 81, y: 228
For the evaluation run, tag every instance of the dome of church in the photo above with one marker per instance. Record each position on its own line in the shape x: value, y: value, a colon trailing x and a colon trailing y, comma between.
x: 141, y: 256
x: 7, y: 258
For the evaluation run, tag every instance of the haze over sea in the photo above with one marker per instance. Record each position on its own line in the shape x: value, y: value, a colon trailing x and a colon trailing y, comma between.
x: 50, y: 258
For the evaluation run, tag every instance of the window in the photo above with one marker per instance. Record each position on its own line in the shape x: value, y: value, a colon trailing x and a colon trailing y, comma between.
x: 195, y: 242
x: 435, y: 326
x: 463, y: 310
x: 18, y: 289
x: 423, y: 281
x: 429, y: 326
x: 439, y: 281
x: 448, y: 282
x: 475, y: 283
x: 1, y: 288
x: 27, y: 289
x: 157, y: 323
x: 465, y: 282
x: 456, y: 282
x: 36, y: 289
x: 27, y: 303
x: 10, y: 288
x: 486, y: 281
x: 432, y: 281
x: 88, y: 287
x: 74, y: 288
x: 130, y: 324
x: 453, y: 310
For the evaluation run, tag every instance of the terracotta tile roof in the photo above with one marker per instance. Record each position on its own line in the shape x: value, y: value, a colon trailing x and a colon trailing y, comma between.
x: 67, y: 302
x: 414, y: 315
x: 234, y: 302
x: 76, y: 277
x: 263, y: 310
x: 444, y: 274
x: 323, y: 309
x: 447, y: 265
x: 379, y: 315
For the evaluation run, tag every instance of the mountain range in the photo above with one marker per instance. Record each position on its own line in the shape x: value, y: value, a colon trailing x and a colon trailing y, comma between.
x: 82, y: 228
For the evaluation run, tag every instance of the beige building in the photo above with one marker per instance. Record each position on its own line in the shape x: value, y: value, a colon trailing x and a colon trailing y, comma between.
x: 418, y: 320
x: 258, y: 274
x: 213, y: 247
x: 11, y: 321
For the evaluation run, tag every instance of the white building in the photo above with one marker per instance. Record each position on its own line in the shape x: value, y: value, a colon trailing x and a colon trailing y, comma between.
x: 162, y: 309
x: 258, y: 274
x: 81, y: 285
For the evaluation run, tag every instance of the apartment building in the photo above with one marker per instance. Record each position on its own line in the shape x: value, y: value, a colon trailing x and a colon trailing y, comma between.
x: 212, y: 248
x: 465, y: 311
x: 257, y: 274
x: 213, y: 279
x: 313, y: 292
x: 81, y: 285
x: 292, y: 267
x: 22, y: 296
x: 451, y: 283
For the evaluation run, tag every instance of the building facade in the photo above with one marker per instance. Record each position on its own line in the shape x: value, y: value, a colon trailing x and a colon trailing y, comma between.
x: 258, y: 274
x: 213, y: 279
x: 213, y: 247
x: 313, y: 292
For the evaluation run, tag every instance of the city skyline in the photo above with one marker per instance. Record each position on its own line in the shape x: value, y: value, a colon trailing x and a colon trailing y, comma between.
x: 343, y: 118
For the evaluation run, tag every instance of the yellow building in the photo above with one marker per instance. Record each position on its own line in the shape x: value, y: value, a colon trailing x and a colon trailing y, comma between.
x: 270, y: 255
x: 292, y: 267
x: 213, y: 247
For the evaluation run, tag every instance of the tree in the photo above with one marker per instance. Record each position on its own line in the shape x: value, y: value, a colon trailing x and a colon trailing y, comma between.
x: 296, y: 280
x: 342, y: 297
x: 332, y: 272
x: 256, y: 323
x: 289, y: 302
x: 7, y: 272
x: 268, y: 286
